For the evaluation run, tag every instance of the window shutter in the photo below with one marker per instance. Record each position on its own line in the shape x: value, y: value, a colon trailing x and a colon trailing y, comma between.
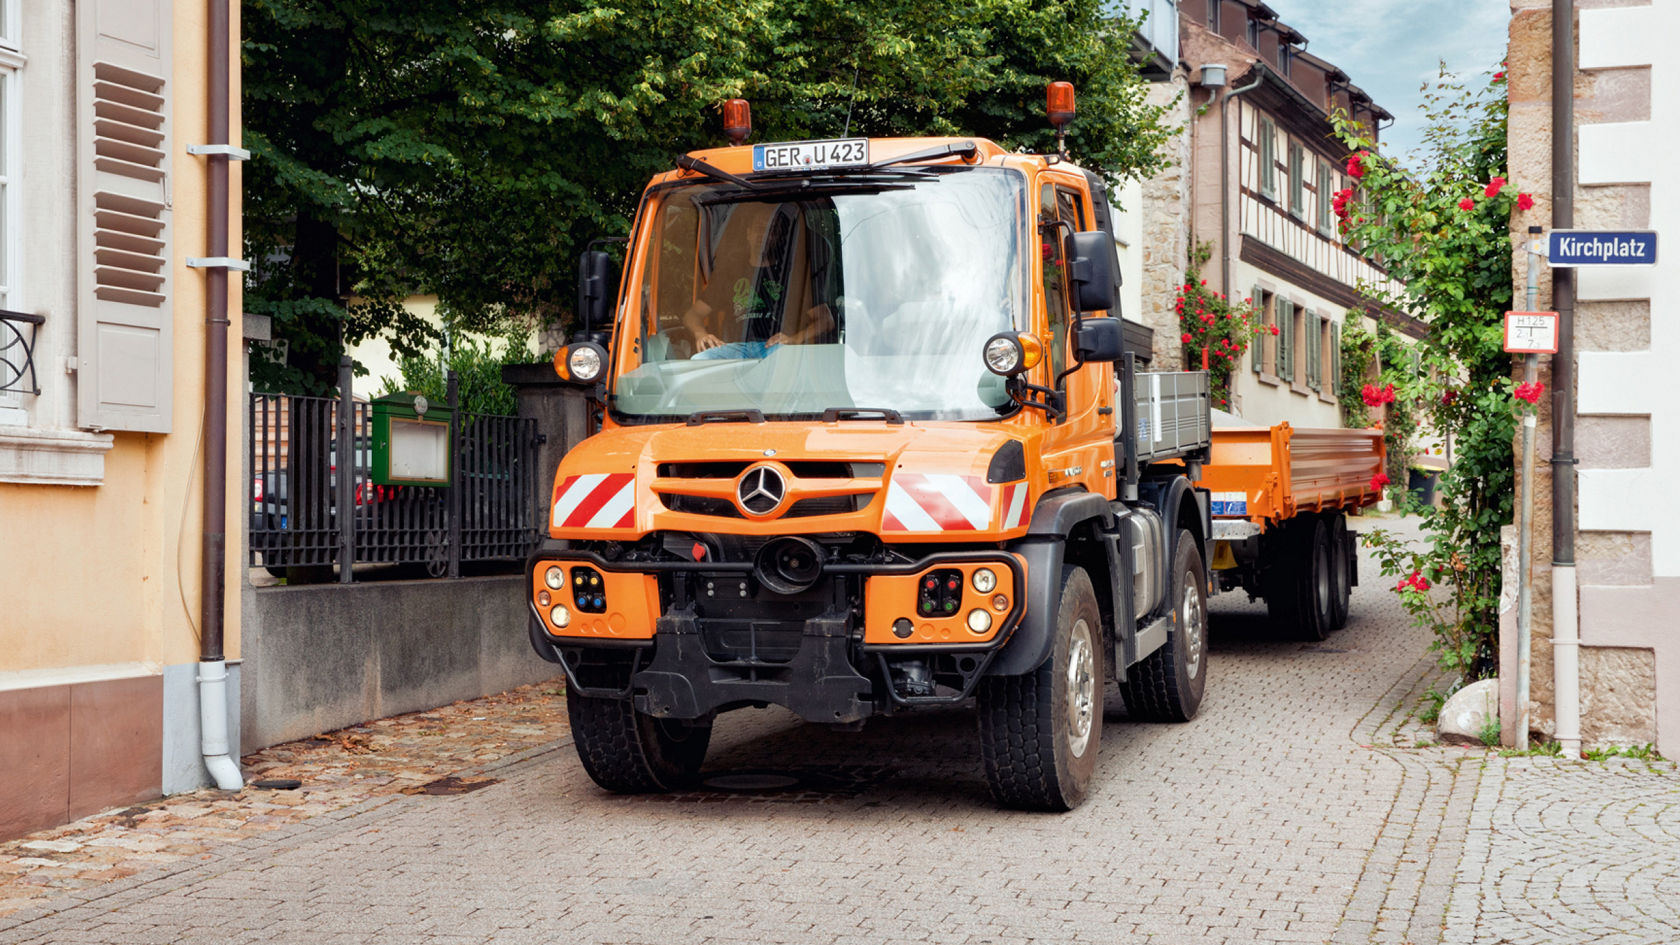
x: 1315, y: 350
x: 1335, y: 357
x: 123, y: 331
x: 1257, y: 347
x: 1286, y: 339
x: 1268, y: 158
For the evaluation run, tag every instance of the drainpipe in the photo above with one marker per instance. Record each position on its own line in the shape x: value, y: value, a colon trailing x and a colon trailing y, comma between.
x: 1566, y: 633
x: 212, y: 665
x: 1225, y: 240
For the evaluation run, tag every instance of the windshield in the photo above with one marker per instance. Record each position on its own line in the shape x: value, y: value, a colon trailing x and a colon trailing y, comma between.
x: 874, y: 291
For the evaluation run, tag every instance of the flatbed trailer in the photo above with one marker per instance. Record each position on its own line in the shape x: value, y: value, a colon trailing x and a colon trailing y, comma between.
x: 1280, y: 501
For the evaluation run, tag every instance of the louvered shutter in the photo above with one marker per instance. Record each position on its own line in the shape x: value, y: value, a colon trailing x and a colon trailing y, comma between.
x: 1315, y: 349
x: 1257, y: 347
x: 124, y: 316
x: 1286, y: 339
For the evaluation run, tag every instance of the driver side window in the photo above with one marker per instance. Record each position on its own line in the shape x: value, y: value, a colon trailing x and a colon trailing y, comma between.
x: 1061, y: 211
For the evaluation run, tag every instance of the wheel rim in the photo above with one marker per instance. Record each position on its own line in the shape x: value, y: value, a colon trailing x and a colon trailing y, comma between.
x: 1190, y: 624
x: 1081, y: 688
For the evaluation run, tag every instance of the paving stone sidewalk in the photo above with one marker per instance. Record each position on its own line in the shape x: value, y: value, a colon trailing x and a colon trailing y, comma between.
x: 338, y: 770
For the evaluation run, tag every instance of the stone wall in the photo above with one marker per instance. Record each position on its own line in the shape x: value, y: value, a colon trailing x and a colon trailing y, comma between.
x: 1166, y: 225
x: 1628, y: 591
x: 323, y: 657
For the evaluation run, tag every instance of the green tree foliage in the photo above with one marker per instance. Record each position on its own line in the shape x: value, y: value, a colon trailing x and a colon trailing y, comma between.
x: 471, y: 150
x: 477, y: 363
x: 1444, y: 233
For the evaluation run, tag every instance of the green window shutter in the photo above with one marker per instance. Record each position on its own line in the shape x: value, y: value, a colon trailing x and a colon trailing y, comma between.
x: 1257, y: 347
x: 1297, y: 180
x: 1335, y: 357
x: 1314, y: 350
x: 1286, y: 340
x: 1324, y: 213
x: 1268, y: 158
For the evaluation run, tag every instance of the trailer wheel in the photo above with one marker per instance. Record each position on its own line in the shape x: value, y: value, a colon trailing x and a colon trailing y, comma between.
x: 1314, y: 587
x: 629, y: 752
x: 1341, y: 564
x: 1039, y: 732
x: 1168, y: 684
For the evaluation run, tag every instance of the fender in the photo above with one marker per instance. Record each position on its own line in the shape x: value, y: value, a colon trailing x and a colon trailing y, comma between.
x: 1168, y: 497
x: 1044, y: 549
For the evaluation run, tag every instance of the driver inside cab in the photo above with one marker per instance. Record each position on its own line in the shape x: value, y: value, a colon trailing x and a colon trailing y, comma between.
x: 747, y: 301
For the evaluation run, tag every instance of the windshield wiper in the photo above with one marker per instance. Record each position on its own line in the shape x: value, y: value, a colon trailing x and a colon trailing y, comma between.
x: 967, y: 149
x: 836, y: 414
x: 699, y: 417
x: 715, y: 173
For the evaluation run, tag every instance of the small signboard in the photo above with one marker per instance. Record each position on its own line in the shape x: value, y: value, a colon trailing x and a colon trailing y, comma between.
x: 1531, y: 332
x: 1601, y: 248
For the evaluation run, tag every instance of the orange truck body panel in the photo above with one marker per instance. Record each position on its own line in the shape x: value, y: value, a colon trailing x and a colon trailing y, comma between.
x: 1280, y: 471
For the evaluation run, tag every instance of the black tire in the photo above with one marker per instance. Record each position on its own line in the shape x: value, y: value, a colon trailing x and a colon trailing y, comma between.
x: 1314, y: 589
x: 1341, y: 575
x: 1040, y: 732
x: 628, y: 752
x: 1168, y: 684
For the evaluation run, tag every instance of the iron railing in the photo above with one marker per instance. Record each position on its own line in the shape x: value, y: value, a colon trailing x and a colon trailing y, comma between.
x: 17, y: 353
x: 310, y: 457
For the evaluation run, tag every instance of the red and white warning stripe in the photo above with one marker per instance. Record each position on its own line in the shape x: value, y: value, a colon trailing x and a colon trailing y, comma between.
x: 937, y: 503
x: 1014, y: 505
x: 595, y: 501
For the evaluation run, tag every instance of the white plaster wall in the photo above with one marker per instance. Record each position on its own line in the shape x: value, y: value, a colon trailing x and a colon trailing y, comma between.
x: 1635, y: 383
x: 1126, y: 203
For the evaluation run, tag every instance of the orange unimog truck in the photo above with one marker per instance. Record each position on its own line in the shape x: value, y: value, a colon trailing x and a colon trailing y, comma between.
x: 1281, y: 497
x: 862, y: 450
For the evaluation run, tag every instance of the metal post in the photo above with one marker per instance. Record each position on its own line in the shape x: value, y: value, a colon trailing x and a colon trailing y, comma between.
x: 1525, y: 582
x: 452, y: 495
x: 344, y: 459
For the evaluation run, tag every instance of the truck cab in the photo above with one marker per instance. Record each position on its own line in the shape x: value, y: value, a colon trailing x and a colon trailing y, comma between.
x: 870, y: 441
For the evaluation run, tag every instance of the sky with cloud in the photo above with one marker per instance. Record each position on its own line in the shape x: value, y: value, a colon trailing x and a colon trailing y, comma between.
x: 1390, y: 48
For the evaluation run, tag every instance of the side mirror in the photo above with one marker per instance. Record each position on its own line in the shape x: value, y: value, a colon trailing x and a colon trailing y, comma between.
x: 1099, y: 340
x: 1091, y: 268
x: 594, y: 295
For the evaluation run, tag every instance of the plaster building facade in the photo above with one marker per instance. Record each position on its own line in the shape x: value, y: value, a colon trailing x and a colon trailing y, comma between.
x: 1264, y: 166
x: 1623, y: 592
x: 101, y: 416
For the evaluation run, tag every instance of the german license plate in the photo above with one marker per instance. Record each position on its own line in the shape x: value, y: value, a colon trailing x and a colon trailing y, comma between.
x: 810, y: 155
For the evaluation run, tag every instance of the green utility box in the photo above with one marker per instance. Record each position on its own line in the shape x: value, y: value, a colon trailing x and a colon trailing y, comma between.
x: 410, y: 441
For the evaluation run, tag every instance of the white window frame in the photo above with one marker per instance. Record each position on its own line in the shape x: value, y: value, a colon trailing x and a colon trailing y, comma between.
x: 12, y: 411
x: 11, y: 26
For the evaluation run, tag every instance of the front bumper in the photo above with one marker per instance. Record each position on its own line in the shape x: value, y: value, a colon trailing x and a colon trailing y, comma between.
x: 697, y: 652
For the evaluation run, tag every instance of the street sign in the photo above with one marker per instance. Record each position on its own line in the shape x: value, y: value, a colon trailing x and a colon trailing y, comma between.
x: 1531, y: 332
x: 1601, y: 248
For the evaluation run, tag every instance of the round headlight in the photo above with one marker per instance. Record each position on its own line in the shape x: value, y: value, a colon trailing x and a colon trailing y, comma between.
x: 979, y: 621
x: 560, y: 616
x: 1003, y: 355
x: 584, y: 363
x: 554, y: 578
x: 985, y: 580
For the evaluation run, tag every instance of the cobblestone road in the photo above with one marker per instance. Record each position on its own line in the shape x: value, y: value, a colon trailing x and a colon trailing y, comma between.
x: 1293, y: 809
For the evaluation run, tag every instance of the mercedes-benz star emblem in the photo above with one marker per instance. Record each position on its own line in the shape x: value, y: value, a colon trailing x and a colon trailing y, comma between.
x: 761, y: 490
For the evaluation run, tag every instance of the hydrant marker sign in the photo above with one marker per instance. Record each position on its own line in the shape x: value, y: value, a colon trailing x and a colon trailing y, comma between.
x: 1601, y: 248
x: 1531, y: 332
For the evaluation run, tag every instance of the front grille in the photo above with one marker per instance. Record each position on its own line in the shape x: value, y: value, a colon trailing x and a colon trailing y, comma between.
x: 701, y: 505
x: 828, y: 505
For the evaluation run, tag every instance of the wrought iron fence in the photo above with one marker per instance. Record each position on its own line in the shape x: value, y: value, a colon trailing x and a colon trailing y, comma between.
x: 311, y: 457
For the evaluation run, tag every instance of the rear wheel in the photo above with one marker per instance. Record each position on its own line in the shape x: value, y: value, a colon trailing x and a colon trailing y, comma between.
x: 1168, y: 684
x: 1314, y: 587
x: 1341, y: 564
x: 1039, y: 732
x: 629, y: 752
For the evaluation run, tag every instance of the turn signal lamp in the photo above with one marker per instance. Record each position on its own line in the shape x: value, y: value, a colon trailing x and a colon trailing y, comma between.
x: 1009, y: 353
x: 1058, y: 101
x: 737, y: 119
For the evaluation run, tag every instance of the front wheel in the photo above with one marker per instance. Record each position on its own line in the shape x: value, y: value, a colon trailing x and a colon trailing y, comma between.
x: 1039, y: 732
x: 629, y: 752
x: 1168, y: 684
